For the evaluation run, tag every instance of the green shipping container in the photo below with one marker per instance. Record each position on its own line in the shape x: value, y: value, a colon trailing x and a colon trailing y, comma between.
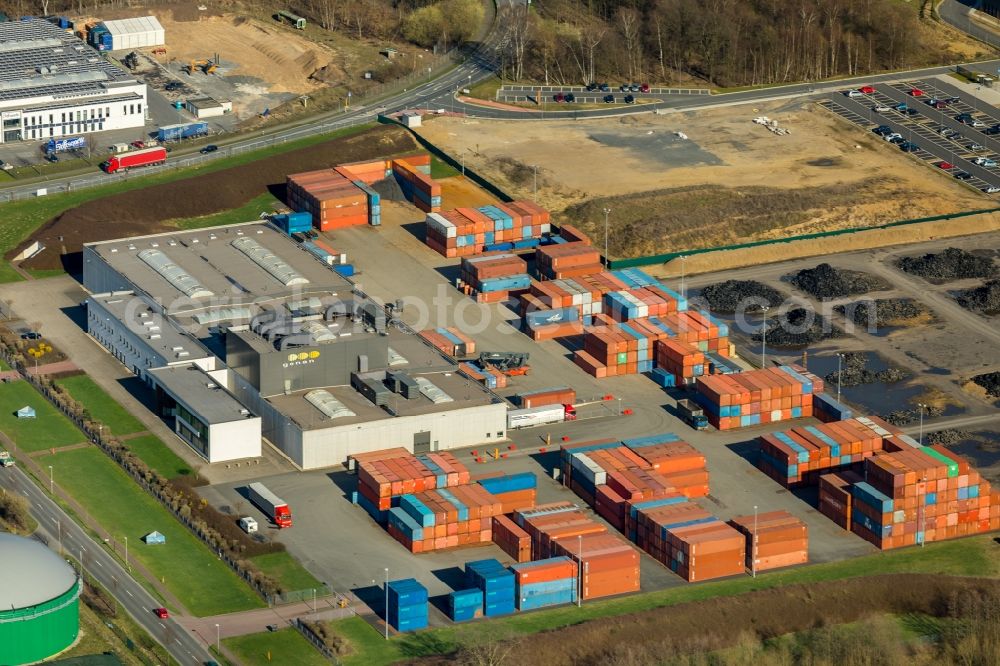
x: 622, y: 358
x: 952, y: 465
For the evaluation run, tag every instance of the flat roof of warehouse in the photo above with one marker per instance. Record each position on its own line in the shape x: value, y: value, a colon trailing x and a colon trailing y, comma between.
x: 216, y: 272
x: 201, y: 393
x: 39, y: 59
x: 158, y: 332
x: 464, y: 393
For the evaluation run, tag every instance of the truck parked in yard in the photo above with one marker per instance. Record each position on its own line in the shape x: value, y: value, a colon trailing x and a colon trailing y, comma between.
x: 692, y: 414
x: 275, y: 507
x: 135, y: 158
x: 532, y: 416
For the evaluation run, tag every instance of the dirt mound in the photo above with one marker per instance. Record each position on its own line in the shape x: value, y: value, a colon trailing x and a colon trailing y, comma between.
x: 741, y: 295
x: 948, y: 437
x: 799, y: 327
x: 902, y: 417
x: 718, y: 623
x: 854, y: 372
x: 952, y: 264
x: 989, y: 381
x: 148, y: 210
x: 826, y: 282
x: 985, y: 299
x: 883, y: 311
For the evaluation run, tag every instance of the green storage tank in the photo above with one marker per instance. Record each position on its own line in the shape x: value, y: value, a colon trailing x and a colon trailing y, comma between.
x: 39, y: 601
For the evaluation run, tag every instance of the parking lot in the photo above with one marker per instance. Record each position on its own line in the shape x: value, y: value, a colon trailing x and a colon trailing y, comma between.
x: 940, y: 136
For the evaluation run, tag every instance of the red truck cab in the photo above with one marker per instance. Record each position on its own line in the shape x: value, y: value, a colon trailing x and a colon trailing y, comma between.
x: 570, y: 412
x: 283, y: 516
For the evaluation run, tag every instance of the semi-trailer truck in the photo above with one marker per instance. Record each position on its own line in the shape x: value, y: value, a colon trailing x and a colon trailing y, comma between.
x: 275, y: 507
x: 692, y: 414
x: 532, y: 416
x: 135, y: 158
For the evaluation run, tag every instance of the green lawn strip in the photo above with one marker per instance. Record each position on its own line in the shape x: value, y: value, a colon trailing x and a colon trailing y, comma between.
x: 286, y: 646
x: 21, y: 218
x: 102, y: 407
x: 287, y: 571
x: 367, y: 645
x: 185, y: 565
x: 49, y: 429
x: 151, y: 450
x: 441, y: 169
x: 246, y: 213
x: 964, y: 557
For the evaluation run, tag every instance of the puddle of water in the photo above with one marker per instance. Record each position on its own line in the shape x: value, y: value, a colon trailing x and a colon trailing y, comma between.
x: 982, y: 451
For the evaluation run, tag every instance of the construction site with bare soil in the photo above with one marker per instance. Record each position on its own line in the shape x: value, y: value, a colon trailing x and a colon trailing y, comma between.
x: 696, y: 179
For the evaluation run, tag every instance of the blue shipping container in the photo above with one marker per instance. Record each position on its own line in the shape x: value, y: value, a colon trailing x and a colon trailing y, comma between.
x: 510, y: 483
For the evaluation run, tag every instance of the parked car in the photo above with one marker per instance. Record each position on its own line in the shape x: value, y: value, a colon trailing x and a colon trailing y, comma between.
x: 629, y: 99
x: 945, y: 165
x: 559, y: 97
x: 896, y: 140
x: 173, y: 85
x: 854, y: 93
x: 916, y: 92
x: 911, y: 112
x: 991, y: 130
x: 882, y: 130
x: 604, y: 87
x: 909, y: 147
x: 161, y: 613
x: 52, y: 157
x: 591, y: 87
x: 634, y: 87
x: 985, y: 162
x: 866, y: 90
x: 892, y: 135
x: 977, y: 123
x: 623, y: 87
x: 644, y: 88
x: 976, y: 147
x: 5, y: 167
x: 210, y: 148
x: 609, y: 99
x: 991, y: 189
x: 881, y: 108
x: 953, y: 100
x: 570, y: 98
x: 31, y: 335
x: 902, y: 106
x: 963, y: 175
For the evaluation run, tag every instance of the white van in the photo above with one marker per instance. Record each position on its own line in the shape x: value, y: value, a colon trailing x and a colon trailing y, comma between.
x: 248, y: 525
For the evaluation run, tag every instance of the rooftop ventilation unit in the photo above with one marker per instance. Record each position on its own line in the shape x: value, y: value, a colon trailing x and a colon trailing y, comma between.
x: 174, y: 274
x: 433, y: 393
x: 270, y: 262
x: 332, y: 408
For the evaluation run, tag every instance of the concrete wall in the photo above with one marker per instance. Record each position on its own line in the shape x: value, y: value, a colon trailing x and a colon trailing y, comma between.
x: 98, y: 277
x: 234, y: 440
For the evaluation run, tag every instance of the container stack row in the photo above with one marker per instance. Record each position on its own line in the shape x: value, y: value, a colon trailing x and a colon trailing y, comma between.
x: 914, y: 496
x: 497, y: 584
x: 562, y: 395
x: 293, y: 223
x: 368, y: 173
x: 450, y: 341
x: 613, y: 348
x: 465, y: 605
x: 489, y: 376
x: 333, y: 201
x: 513, y: 491
x: 492, y: 278
x: 774, y: 539
x: 407, y: 609
x: 512, y: 539
x: 827, y: 409
x: 385, y: 475
x: 465, y: 232
x: 567, y: 260
x: 548, y: 582
x: 641, y: 302
x: 444, y: 518
x: 799, y: 456
x: 767, y: 395
x: 413, y: 175
x: 835, y: 501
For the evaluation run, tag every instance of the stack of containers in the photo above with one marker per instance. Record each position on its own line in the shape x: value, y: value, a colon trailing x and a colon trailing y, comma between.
x: 705, y: 551
x: 333, y: 200
x: 407, y: 609
x: 773, y: 540
x: 609, y: 564
x: 917, y: 495
x: 677, y: 462
x: 546, y: 524
x: 492, y: 278
x: 828, y: 409
x: 443, y: 518
x: 465, y: 605
x: 292, y: 223
x: 760, y: 396
x: 562, y: 395
x: 511, y: 539
x: 548, y: 582
x: 681, y: 359
x: 567, y: 260
x: 368, y: 173
x: 387, y: 474
x: 418, y: 187
x: 652, y: 301
x: 513, y: 491
x: 719, y: 364
x: 835, y: 496
x: 489, y: 376
x: 450, y: 341
x: 799, y: 456
x: 463, y: 232
x: 496, y: 584
x: 552, y: 324
x: 573, y: 235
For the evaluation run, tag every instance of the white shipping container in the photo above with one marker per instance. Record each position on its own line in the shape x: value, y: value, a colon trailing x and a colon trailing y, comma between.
x: 590, y: 470
x: 525, y: 418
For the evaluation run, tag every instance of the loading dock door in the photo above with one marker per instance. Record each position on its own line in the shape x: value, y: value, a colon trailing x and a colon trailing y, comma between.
x: 422, y: 442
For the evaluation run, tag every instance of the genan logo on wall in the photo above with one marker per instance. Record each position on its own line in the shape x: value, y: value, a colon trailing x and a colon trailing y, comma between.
x: 301, y: 358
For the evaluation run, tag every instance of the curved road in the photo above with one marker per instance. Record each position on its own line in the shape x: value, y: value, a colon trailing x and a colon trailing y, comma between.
x: 65, y: 535
x: 957, y: 15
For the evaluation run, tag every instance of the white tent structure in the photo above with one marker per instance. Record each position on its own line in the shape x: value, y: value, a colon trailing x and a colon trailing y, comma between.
x: 26, y: 412
x: 135, y: 33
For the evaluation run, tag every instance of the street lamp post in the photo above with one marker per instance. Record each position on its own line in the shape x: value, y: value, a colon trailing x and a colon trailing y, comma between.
x: 922, y: 529
x: 579, y: 562
x: 217, y: 639
x: 50, y: 480
x: 753, y: 545
x: 607, y: 259
x: 763, y: 340
x: 839, y: 357
x: 920, y: 438
x: 534, y: 168
x: 127, y: 566
x: 683, y: 259
x: 387, y: 603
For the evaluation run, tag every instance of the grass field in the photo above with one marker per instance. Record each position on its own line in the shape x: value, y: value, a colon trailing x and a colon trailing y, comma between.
x: 50, y: 429
x: 188, y: 568
x: 247, y: 213
x: 286, y: 646
x: 974, y: 556
x: 151, y: 450
x: 287, y: 570
x: 441, y: 169
x: 101, y: 406
x: 21, y: 218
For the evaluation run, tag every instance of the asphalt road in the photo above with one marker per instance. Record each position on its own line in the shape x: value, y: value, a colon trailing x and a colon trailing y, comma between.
x: 138, y: 603
x: 956, y: 14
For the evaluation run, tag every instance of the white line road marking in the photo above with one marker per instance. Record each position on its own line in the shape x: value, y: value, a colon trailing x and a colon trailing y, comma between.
x: 128, y: 593
x: 99, y: 564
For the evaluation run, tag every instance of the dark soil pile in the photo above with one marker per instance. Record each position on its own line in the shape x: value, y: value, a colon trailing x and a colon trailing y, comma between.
x: 826, y: 282
x: 882, y: 312
x: 989, y: 381
x: 854, y: 372
x: 902, y: 417
x: 952, y: 264
x: 985, y: 299
x: 741, y: 296
x: 145, y: 211
x: 948, y: 437
x: 798, y: 327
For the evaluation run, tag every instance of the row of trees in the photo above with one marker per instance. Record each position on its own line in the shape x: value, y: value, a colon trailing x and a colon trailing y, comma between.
x: 726, y: 42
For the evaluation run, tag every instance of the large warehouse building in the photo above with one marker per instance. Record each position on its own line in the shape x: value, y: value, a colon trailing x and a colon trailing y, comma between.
x: 39, y: 602
x: 53, y: 85
x: 243, y: 334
